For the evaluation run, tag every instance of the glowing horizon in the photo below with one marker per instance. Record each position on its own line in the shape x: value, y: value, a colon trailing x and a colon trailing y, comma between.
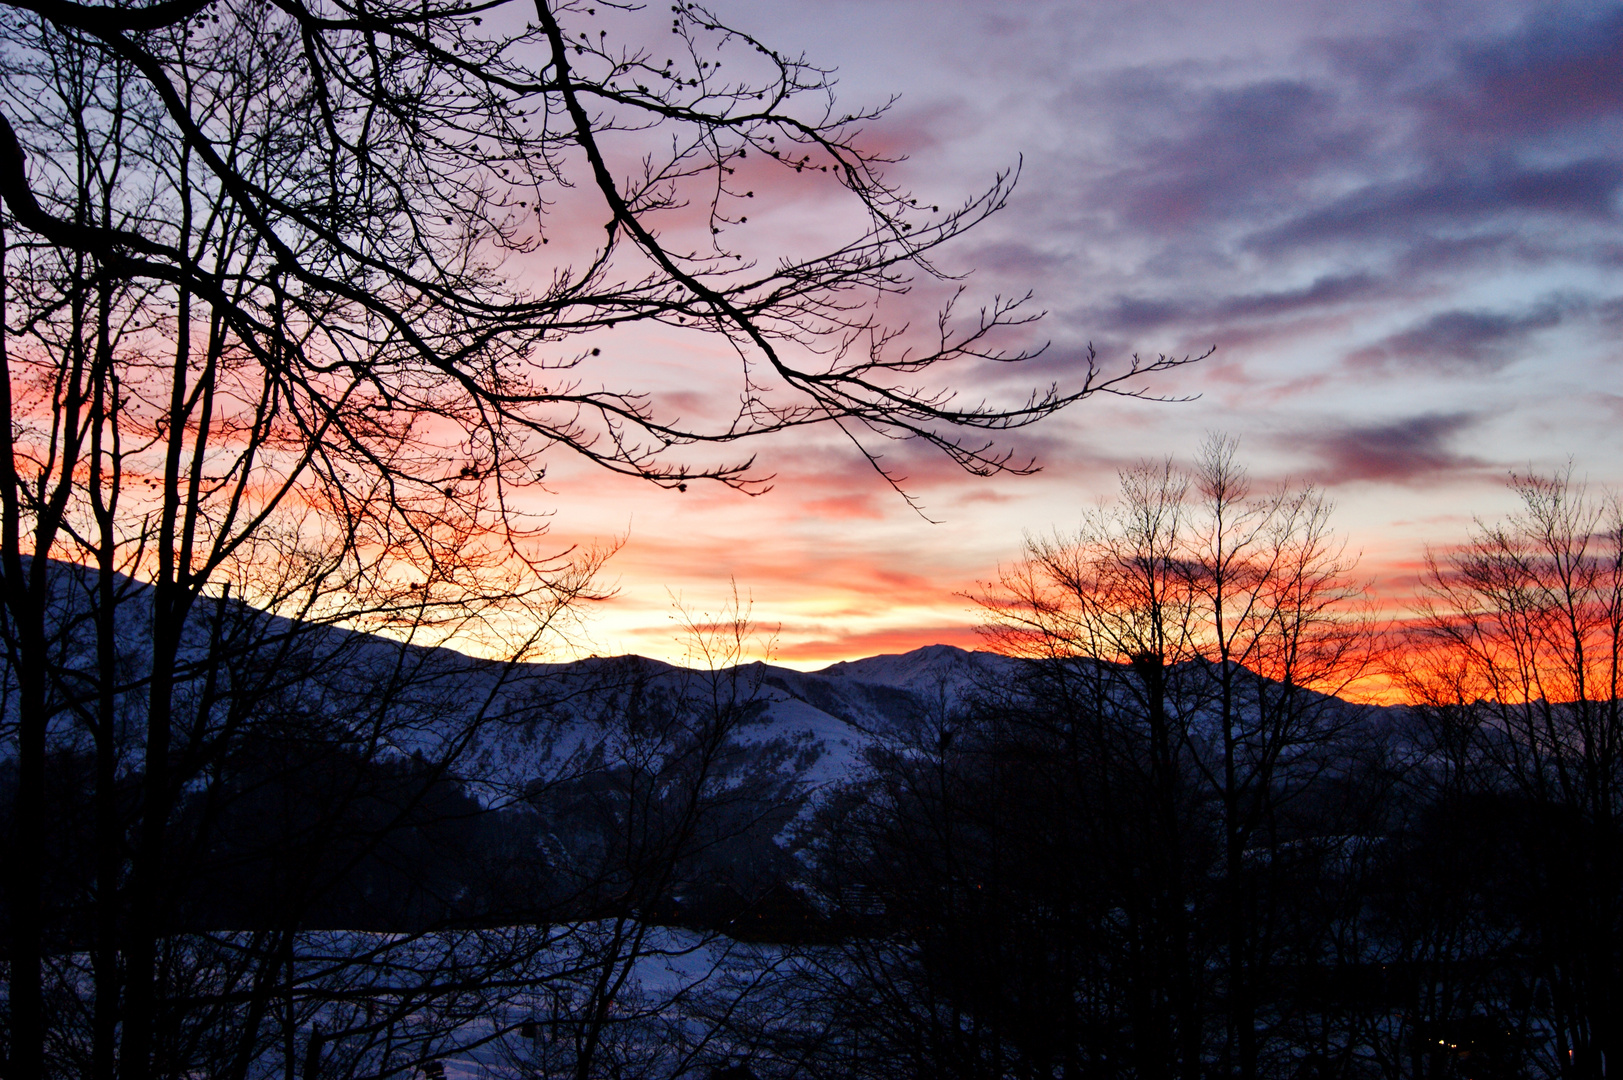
x: 1402, y: 231
x: 1400, y: 228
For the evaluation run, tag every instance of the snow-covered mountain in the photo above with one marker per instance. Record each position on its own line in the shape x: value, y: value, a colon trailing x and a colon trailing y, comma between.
x: 526, y: 716
x: 831, y: 715
x: 510, y: 724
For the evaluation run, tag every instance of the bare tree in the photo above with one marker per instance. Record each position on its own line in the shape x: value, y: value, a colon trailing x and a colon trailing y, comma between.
x: 267, y: 330
x: 1281, y: 629
x: 1212, y: 629
x: 1513, y: 661
x: 664, y: 818
x: 1109, y: 618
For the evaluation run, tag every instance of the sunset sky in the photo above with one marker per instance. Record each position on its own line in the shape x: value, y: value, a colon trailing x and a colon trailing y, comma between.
x: 1398, y: 223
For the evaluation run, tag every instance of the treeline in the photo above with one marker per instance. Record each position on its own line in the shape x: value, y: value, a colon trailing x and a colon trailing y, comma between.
x: 287, y: 316
x: 1161, y: 853
x: 651, y: 806
x: 1155, y: 846
x: 1038, y: 899
x: 380, y: 857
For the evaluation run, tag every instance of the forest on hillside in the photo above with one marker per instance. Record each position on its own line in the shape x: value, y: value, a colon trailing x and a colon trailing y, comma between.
x: 1144, y: 838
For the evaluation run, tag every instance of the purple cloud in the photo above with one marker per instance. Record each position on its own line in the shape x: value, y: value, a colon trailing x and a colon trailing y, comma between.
x: 1134, y: 313
x: 1404, y: 451
x: 1237, y: 148
x: 1462, y: 339
x: 1404, y: 140
x: 1564, y: 67
x: 1583, y: 189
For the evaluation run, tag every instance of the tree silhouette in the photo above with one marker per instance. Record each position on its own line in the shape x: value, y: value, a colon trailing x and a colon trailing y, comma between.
x: 281, y: 327
x: 1513, y: 663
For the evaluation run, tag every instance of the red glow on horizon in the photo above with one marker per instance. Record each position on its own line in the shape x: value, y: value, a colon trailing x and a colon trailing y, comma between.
x: 825, y: 651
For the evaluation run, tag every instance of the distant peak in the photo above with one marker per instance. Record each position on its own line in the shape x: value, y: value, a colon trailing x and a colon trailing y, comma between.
x: 923, y: 652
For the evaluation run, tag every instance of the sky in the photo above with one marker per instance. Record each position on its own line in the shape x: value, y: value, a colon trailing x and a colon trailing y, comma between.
x: 1398, y: 223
